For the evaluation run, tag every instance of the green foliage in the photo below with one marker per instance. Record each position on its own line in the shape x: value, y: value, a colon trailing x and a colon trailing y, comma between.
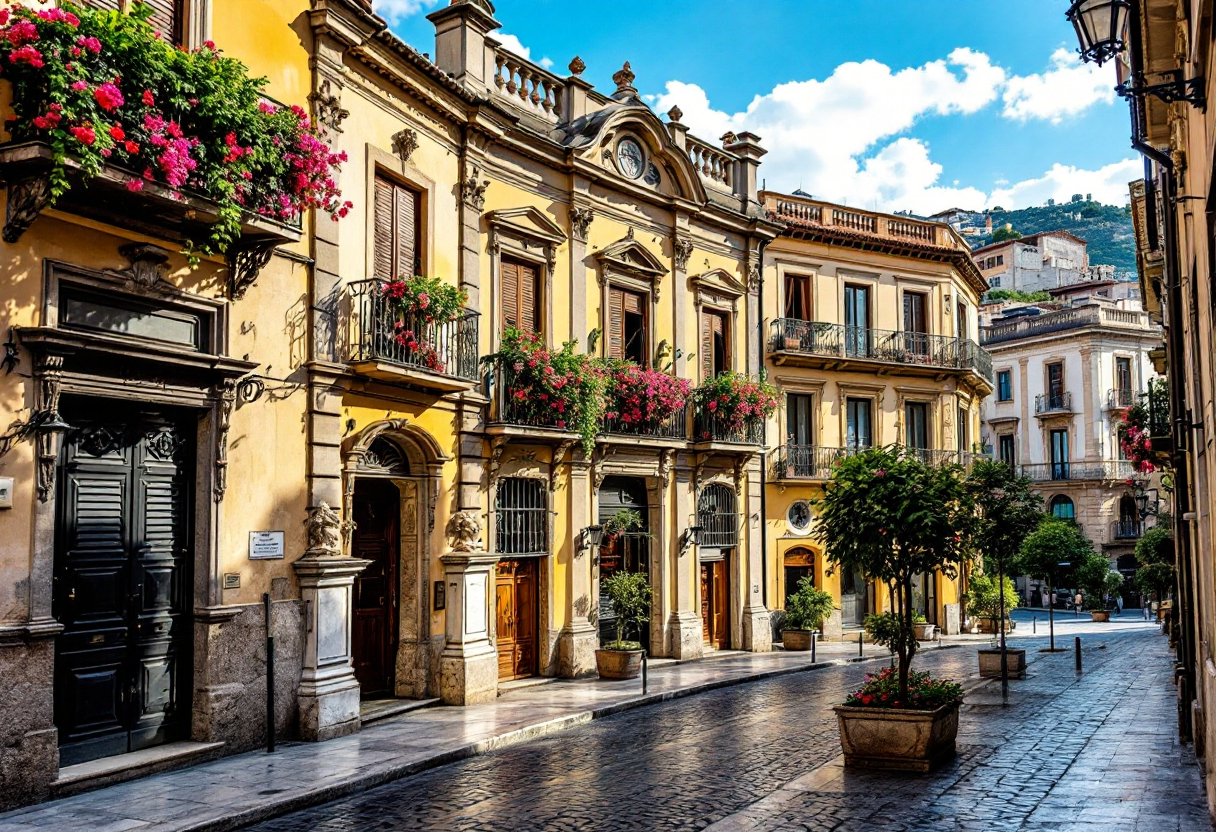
x: 984, y: 601
x: 883, y: 629
x: 891, y: 517
x: 1091, y: 577
x: 1156, y: 555
x: 629, y: 594
x: 1053, y: 543
x: 625, y: 520
x: 736, y: 399
x: 921, y: 693
x: 1003, y: 234
x: 994, y: 295
x: 1008, y: 509
x: 1107, y: 229
x: 807, y: 607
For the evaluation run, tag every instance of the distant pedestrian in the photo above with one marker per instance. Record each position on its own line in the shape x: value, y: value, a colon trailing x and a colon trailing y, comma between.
x: 1119, y: 604
x: 1076, y: 604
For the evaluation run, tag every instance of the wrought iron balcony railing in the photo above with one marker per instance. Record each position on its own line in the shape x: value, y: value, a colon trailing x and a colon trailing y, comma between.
x: 1053, y: 403
x: 1120, y: 398
x: 1056, y: 471
x: 1127, y: 528
x: 378, y: 333
x: 815, y: 462
x: 710, y: 427
x: 673, y: 427
x: 828, y: 340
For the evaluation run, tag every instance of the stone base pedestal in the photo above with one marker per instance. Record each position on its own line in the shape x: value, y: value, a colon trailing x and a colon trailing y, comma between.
x: 757, y: 630
x: 687, y: 637
x: 833, y: 628
x: 468, y: 678
x: 953, y: 624
x: 29, y: 742
x: 576, y: 648
x: 329, y: 708
x: 468, y: 666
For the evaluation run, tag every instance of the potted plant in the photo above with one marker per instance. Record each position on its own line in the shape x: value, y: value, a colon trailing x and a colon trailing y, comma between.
x: 1155, y: 554
x: 891, y: 517
x: 805, y: 611
x: 641, y: 400
x: 1097, y: 581
x: 731, y: 402
x: 417, y: 307
x: 629, y: 594
x: 625, y: 520
x: 1008, y: 510
x: 924, y: 630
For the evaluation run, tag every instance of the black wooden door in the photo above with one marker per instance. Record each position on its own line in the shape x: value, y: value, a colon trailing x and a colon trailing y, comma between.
x: 123, y: 583
x: 377, y: 515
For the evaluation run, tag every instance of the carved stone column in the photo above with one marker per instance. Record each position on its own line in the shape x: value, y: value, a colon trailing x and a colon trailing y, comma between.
x: 468, y: 665
x: 684, y: 623
x: 663, y: 571
x: 329, y: 693
x: 757, y: 631
x: 578, y: 639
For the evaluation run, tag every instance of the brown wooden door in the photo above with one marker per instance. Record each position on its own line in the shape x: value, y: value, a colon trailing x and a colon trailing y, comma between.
x: 517, y: 617
x: 715, y: 604
x: 377, y: 510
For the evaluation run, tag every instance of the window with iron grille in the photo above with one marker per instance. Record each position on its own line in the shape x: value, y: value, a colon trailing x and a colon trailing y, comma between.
x: 718, y: 517
x: 521, y: 514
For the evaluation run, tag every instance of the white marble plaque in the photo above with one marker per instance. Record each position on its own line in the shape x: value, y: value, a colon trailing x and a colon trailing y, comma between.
x: 474, y: 604
x: 265, y: 545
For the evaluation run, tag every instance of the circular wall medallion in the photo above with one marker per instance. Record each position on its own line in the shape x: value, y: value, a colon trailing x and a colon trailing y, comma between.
x: 799, y: 516
x: 630, y: 158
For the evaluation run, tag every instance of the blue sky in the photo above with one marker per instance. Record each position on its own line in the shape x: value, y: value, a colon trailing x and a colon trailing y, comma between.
x: 891, y: 104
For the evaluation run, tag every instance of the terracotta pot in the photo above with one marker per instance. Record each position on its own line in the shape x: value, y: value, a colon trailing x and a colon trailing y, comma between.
x: 924, y: 632
x: 619, y: 664
x: 793, y: 343
x: 796, y: 639
x: 1100, y: 615
x: 989, y: 625
x: 896, y: 740
x: 990, y: 663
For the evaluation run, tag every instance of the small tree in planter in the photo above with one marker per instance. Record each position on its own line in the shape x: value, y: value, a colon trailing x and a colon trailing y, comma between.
x: 629, y: 594
x: 983, y: 600
x: 805, y: 611
x: 1156, y: 556
x: 1093, y: 574
x: 891, y: 517
x: 1050, y: 552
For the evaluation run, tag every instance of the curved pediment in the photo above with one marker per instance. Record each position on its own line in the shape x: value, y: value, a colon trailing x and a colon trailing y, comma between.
x: 595, y: 137
x: 631, y: 257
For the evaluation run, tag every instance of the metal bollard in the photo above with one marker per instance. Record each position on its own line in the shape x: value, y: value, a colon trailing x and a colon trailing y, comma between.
x: 1034, y: 624
x: 861, y: 646
x: 1077, y: 650
x: 643, y: 674
x: 813, y: 634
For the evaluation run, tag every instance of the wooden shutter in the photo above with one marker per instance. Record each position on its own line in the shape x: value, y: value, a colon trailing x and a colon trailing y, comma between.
x: 707, y: 344
x: 396, y: 231
x: 510, y: 294
x: 529, y: 308
x: 720, y: 333
x: 616, y: 323
x: 166, y: 18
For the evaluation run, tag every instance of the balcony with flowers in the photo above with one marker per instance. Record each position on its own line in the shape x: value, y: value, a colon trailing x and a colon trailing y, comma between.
x: 645, y: 406
x: 731, y: 409
x: 107, y: 120
x: 414, y: 331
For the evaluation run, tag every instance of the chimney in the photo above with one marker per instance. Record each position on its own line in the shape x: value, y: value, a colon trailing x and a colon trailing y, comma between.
x: 460, y: 40
x: 747, y: 147
x: 677, y: 130
x: 574, y: 99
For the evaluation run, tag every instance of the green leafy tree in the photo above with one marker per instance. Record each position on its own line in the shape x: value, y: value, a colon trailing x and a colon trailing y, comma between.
x: 1003, y: 234
x: 1091, y: 576
x: 807, y: 607
x: 1050, y: 553
x: 1156, y: 556
x: 629, y: 594
x: 983, y: 600
x: 891, y: 517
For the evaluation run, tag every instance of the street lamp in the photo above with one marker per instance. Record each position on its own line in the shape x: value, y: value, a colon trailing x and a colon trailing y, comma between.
x: 1100, y: 25
x: 593, y: 536
x: 1146, y: 500
x: 691, y: 537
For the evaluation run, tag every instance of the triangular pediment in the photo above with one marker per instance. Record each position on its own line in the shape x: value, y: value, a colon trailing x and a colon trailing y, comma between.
x: 631, y: 256
x: 721, y: 281
x: 527, y: 222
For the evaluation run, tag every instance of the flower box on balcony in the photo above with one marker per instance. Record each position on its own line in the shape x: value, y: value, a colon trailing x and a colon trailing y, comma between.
x: 155, y: 210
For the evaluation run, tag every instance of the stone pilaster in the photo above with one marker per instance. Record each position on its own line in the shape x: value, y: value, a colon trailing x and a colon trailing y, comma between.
x: 468, y: 665
x: 757, y: 631
x: 578, y: 640
x: 684, y: 623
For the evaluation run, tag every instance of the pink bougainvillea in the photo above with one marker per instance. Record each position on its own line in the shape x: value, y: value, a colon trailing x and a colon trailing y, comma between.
x: 640, y: 398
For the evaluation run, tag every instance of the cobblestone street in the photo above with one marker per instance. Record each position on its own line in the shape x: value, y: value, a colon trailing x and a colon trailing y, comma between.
x: 1095, y: 752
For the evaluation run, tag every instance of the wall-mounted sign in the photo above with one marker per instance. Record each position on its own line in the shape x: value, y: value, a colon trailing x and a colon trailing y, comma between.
x: 265, y: 545
x: 441, y: 596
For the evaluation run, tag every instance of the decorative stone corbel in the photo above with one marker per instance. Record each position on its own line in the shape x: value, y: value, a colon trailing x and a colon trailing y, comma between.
x: 324, y: 532
x: 245, y: 263
x: 580, y: 222
x: 667, y: 461
x: 49, y: 370
x: 26, y: 200
x: 558, y: 456
x: 327, y: 105
x: 682, y: 248
x: 225, y: 400
x: 147, y: 268
x: 498, y: 445
x: 473, y: 189
x: 405, y: 143
x: 464, y: 531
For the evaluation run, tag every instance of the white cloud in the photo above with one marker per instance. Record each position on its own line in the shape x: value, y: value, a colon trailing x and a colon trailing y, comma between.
x: 546, y: 62
x: 396, y: 10
x: 513, y: 45
x: 1065, y: 90
x: 1107, y: 184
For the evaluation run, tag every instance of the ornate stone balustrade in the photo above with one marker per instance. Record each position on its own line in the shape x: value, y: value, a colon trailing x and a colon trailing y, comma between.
x: 528, y: 86
x: 716, y: 166
x: 805, y: 211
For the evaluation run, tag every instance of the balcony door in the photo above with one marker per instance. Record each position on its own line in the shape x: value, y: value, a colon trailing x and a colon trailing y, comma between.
x: 797, y: 297
x: 857, y: 320
x: 1123, y: 382
x: 715, y: 343
x: 860, y: 424
x: 1059, y: 454
x: 916, y: 324
x: 1055, y: 386
x: 916, y: 425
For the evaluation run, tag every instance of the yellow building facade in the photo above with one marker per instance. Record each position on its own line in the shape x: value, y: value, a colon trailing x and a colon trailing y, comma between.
x: 871, y: 338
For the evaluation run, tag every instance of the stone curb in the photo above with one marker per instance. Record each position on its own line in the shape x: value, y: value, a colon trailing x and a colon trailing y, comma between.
x: 366, y: 782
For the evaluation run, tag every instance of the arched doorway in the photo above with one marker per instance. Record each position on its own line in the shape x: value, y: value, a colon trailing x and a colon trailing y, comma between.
x: 521, y: 508
x: 718, y: 517
x: 376, y: 538
x: 799, y: 563
x: 623, y: 502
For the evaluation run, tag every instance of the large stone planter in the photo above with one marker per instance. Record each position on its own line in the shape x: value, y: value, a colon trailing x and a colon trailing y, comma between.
x: 796, y: 639
x: 989, y: 625
x: 618, y: 664
x: 925, y: 632
x: 894, y: 740
x: 1100, y: 615
x: 990, y: 663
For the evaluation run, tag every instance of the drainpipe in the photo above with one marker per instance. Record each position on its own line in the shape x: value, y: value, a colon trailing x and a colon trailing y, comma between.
x: 1176, y: 355
x: 763, y: 448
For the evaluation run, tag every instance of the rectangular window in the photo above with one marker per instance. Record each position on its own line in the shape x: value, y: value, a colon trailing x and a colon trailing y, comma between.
x: 166, y: 18
x: 860, y: 424
x: 995, y: 283
x: 627, y: 326
x: 521, y: 295
x: 521, y: 517
x: 397, y: 231
x: 715, y: 343
x: 81, y: 309
x: 964, y: 435
x: 915, y: 319
x: 1000, y: 259
x: 1004, y: 386
x: 962, y: 330
x: 1055, y: 386
x: 1123, y: 375
x: 1059, y: 455
x: 1006, y: 452
x: 857, y: 321
x: 916, y: 425
x: 797, y: 297
x: 799, y: 420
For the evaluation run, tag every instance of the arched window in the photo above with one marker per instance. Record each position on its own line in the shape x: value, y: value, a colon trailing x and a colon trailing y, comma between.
x: 384, y: 458
x: 718, y: 517
x: 521, y: 515
x: 1063, y: 508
